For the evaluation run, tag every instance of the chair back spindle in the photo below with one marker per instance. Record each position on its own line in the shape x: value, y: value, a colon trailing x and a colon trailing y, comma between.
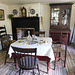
x: 25, y: 58
x: 64, y: 40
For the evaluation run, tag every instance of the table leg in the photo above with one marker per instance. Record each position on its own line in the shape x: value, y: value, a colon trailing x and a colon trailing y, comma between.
x: 65, y: 59
x: 48, y: 62
x: 15, y: 62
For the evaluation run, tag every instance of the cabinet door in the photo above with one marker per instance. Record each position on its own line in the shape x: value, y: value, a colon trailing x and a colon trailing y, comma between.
x: 65, y: 16
x: 55, y: 16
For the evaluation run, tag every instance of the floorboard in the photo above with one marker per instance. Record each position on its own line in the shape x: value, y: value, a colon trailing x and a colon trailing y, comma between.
x: 9, y: 68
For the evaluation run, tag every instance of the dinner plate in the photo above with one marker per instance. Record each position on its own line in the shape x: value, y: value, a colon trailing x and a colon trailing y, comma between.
x: 33, y: 42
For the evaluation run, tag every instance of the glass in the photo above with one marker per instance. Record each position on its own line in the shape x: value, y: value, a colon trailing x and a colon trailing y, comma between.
x: 65, y: 16
x: 29, y: 38
x: 55, y: 16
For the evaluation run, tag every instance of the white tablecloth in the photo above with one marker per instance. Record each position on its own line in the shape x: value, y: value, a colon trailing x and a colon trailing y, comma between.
x: 44, y: 49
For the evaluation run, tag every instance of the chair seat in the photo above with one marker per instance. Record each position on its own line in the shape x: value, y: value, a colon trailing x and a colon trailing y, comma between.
x: 58, y: 49
x: 6, y: 43
x: 29, y: 65
x: 11, y: 41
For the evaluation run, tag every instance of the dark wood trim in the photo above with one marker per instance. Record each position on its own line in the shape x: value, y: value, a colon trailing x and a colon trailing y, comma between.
x: 54, y: 4
x: 24, y: 17
x: 26, y: 28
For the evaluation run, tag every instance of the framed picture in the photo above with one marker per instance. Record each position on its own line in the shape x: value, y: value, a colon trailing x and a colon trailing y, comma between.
x: 1, y: 14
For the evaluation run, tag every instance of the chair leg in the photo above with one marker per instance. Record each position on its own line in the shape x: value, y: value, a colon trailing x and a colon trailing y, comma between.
x: 65, y: 59
x: 15, y: 63
x: 59, y: 54
x: 19, y: 71
x: 38, y: 69
x: 33, y: 72
x: 48, y: 62
x: 6, y: 57
x: 65, y: 54
x: 55, y: 60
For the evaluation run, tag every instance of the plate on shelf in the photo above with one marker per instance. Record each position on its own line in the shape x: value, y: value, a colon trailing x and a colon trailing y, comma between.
x: 15, y: 12
x: 32, y: 11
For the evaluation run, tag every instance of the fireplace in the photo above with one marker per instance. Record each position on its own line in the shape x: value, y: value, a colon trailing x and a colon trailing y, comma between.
x: 23, y: 32
x: 24, y: 22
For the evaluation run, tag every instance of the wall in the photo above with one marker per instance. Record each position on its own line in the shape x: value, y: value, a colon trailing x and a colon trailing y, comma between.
x: 28, y: 7
x: 45, y: 16
x: 7, y: 22
x: 11, y: 8
x: 8, y: 9
x: 4, y: 22
x: 42, y: 10
x: 35, y: 6
x: 39, y: 9
x: 73, y: 22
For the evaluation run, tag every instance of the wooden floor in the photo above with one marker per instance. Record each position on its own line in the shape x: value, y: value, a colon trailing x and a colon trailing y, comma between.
x: 70, y: 66
x: 9, y: 68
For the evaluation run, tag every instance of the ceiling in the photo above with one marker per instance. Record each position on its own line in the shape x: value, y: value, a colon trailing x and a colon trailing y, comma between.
x: 17, y: 2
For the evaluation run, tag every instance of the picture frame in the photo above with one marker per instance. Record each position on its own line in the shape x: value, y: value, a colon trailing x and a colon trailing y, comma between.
x: 2, y: 14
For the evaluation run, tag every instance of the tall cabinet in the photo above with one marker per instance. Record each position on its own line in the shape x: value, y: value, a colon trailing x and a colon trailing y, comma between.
x: 60, y: 15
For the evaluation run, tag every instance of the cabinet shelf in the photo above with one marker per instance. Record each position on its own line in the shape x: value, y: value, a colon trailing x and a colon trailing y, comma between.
x: 55, y: 10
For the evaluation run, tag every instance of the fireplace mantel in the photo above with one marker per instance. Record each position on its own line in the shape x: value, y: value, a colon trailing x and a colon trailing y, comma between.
x: 24, y: 22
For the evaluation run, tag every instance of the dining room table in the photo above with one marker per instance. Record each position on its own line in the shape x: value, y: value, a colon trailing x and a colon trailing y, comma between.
x: 43, y: 45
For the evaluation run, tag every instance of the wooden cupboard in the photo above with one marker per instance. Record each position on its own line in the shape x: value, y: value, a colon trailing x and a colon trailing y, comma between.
x: 60, y: 15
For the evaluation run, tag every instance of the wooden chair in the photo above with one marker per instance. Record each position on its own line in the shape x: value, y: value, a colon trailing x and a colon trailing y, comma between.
x: 25, y: 61
x: 59, y: 50
x: 2, y: 34
x: 5, y: 40
x: 40, y: 33
x: 3, y: 31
